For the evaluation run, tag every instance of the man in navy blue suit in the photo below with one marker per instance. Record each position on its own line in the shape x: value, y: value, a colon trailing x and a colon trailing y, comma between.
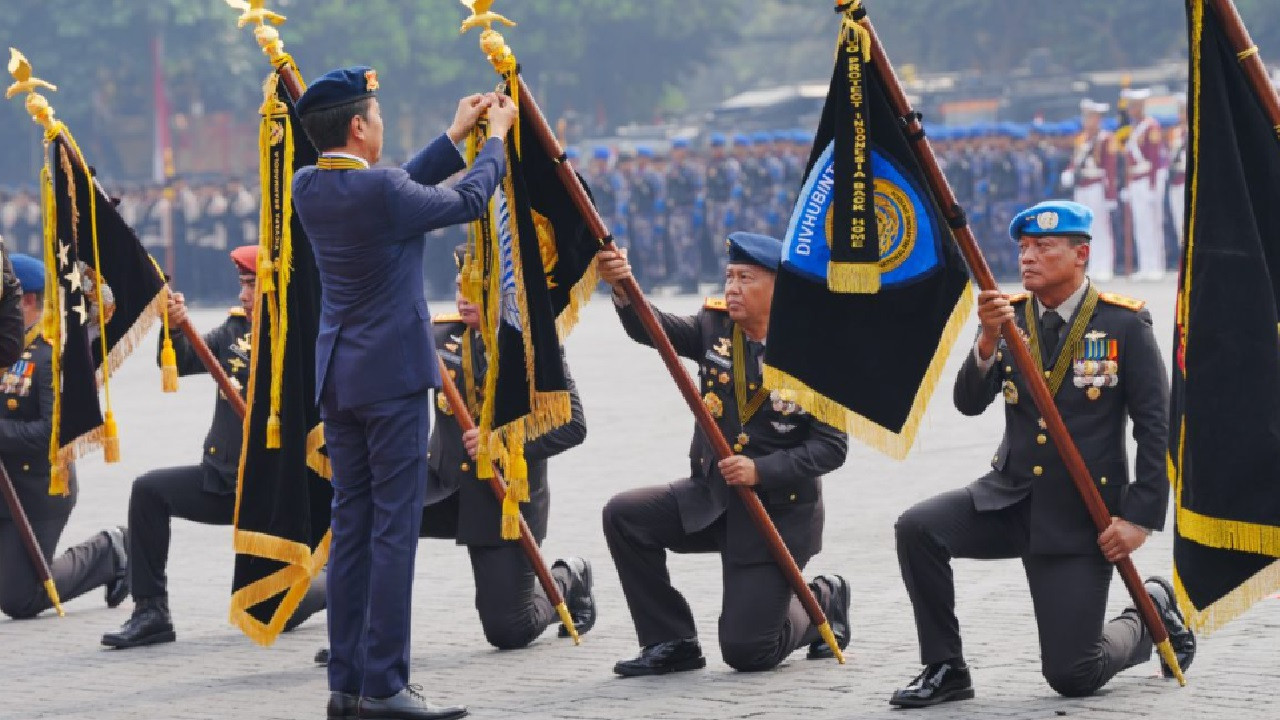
x: 376, y: 363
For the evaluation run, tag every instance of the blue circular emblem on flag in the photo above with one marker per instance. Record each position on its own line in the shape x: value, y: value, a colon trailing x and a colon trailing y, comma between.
x: 908, y: 232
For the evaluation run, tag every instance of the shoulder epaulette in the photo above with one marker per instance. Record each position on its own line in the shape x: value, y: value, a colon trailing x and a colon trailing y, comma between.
x: 1019, y: 297
x: 716, y: 303
x: 236, y: 312
x: 443, y: 318
x: 1125, y: 302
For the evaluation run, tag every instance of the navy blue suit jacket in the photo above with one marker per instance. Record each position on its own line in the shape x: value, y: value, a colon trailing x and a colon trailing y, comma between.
x: 367, y: 228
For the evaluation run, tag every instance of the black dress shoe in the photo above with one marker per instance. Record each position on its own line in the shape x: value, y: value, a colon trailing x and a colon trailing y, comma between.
x: 322, y: 657
x: 1180, y: 635
x: 149, y: 625
x: 118, y: 586
x: 662, y: 658
x: 408, y: 704
x: 937, y: 683
x: 836, y: 608
x: 578, y: 597
x: 343, y: 706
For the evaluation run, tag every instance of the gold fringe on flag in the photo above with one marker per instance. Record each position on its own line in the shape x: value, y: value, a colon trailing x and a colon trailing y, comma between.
x: 895, y: 445
x: 862, y: 278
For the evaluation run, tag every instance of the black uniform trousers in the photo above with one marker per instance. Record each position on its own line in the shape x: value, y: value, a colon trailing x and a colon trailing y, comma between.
x: 514, y: 609
x: 761, y: 620
x: 89, y: 565
x: 1079, y: 653
x: 157, y: 498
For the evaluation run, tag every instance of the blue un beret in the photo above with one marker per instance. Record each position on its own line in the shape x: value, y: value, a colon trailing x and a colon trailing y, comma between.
x: 1053, y: 217
x: 753, y: 249
x: 600, y: 152
x: 680, y: 143
x: 741, y: 140
x: 717, y: 140
x: 29, y: 271
x: 339, y: 87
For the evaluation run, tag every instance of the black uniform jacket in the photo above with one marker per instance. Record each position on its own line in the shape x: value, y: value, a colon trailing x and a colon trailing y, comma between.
x: 451, y: 470
x: 232, y: 343
x: 791, y: 449
x: 11, y: 320
x: 1096, y: 414
x: 26, y: 392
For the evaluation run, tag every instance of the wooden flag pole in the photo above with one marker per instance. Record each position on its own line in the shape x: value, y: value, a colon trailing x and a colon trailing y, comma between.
x: 1057, y: 429
x: 1254, y: 69
x: 29, y: 540
x: 494, y: 46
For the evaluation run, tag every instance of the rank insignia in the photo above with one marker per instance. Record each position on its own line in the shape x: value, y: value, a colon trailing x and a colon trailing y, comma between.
x: 724, y: 378
x: 714, y: 405
x: 723, y: 346
x: 1010, y: 392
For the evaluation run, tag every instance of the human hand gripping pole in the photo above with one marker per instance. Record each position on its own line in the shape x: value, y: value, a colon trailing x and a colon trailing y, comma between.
x: 1057, y: 429
x: 500, y: 55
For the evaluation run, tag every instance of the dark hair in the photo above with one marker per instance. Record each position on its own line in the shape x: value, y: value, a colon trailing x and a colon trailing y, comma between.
x: 328, y: 128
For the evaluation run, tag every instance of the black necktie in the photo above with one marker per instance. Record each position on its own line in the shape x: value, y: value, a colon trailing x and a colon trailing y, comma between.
x: 1050, y: 328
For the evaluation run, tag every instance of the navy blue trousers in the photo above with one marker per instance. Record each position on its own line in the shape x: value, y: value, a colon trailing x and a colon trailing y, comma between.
x: 379, y: 458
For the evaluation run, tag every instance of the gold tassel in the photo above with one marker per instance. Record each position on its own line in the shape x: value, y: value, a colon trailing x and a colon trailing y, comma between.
x: 510, y: 519
x: 859, y: 278
x: 111, y: 439
x: 273, y: 432
x: 168, y: 363
x: 484, y: 463
x: 517, y: 469
x: 58, y: 481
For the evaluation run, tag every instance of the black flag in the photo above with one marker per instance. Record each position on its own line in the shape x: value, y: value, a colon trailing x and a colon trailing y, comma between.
x: 283, y: 496
x: 533, y: 267
x: 1224, y: 449
x: 865, y: 362
x: 96, y: 272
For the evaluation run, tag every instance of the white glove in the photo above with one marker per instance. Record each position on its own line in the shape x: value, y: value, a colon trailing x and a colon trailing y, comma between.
x: 1068, y: 179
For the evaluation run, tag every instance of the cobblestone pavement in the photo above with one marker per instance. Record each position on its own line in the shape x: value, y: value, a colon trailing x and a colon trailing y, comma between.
x: 639, y: 434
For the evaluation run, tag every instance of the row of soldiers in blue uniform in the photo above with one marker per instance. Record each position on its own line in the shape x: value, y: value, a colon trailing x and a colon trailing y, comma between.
x: 669, y: 208
x: 673, y: 210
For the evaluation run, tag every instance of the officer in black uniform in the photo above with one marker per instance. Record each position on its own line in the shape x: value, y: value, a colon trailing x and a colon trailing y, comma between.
x: 12, y: 317
x: 1103, y: 368
x: 26, y: 391
x: 204, y: 493
x: 513, y: 607
x: 781, y: 452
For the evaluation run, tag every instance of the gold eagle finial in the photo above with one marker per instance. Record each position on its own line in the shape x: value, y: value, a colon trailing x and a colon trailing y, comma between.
x: 20, y: 69
x: 24, y: 82
x: 252, y: 11
x: 482, y: 16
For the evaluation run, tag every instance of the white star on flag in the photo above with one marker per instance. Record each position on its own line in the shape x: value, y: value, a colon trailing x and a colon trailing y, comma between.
x: 63, y: 250
x: 82, y: 311
x: 76, y: 278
